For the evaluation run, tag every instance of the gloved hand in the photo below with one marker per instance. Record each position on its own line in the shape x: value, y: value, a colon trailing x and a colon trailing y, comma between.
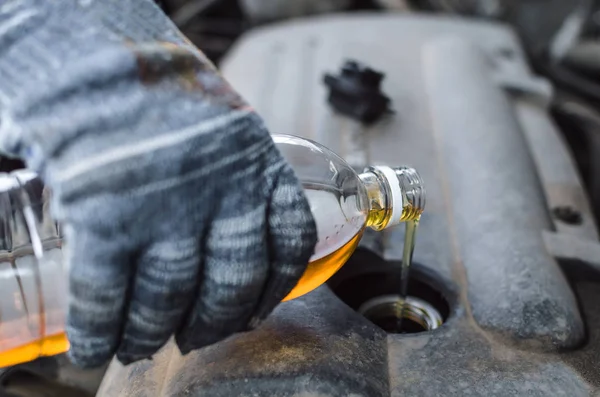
x: 180, y: 215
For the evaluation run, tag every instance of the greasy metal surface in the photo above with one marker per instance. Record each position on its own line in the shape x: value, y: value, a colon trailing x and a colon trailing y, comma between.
x: 313, y: 344
x: 555, y: 167
x: 568, y: 248
x: 470, y: 118
x: 514, y: 287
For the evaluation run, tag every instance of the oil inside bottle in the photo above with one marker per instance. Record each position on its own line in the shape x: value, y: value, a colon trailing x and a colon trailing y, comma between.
x: 340, y: 226
x: 47, y: 346
x: 341, y: 221
x: 32, y: 305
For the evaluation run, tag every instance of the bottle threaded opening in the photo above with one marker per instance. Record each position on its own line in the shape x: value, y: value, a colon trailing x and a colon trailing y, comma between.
x: 413, y: 193
x: 396, y: 195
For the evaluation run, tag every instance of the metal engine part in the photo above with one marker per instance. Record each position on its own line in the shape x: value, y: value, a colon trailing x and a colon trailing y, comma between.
x: 473, y: 119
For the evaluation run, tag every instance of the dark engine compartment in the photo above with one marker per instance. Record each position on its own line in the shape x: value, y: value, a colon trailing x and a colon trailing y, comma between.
x: 507, y: 251
x: 473, y: 118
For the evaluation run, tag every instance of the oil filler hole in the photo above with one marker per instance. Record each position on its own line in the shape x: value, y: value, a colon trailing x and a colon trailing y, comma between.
x: 370, y: 286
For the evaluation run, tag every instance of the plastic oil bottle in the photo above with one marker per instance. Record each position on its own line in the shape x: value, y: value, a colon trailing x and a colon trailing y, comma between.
x: 344, y: 203
x: 33, y: 278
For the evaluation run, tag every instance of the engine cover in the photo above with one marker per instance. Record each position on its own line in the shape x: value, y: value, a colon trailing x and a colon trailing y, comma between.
x: 473, y: 120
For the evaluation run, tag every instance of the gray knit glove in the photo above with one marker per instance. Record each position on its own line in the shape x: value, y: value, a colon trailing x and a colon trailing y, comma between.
x: 180, y: 215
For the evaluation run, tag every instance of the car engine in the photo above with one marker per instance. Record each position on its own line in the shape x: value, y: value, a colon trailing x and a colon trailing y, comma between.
x: 501, y: 121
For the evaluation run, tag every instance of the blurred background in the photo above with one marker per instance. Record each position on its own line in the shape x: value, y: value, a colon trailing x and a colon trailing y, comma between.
x: 560, y: 38
x: 561, y: 42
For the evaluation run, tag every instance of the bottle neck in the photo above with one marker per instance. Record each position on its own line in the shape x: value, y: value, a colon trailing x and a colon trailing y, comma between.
x: 394, y: 195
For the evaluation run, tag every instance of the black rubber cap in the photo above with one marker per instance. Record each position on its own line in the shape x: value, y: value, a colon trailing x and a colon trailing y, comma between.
x: 356, y: 92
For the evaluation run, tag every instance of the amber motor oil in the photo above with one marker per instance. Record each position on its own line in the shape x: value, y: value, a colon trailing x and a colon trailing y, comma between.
x: 344, y: 203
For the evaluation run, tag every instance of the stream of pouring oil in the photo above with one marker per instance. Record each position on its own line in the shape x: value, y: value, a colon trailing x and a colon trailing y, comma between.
x: 407, y: 255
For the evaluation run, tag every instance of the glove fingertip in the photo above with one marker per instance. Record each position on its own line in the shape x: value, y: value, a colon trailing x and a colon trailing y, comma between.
x: 98, y: 283
x: 182, y: 344
x: 187, y: 344
x: 127, y: 358
x: 86, y: 356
